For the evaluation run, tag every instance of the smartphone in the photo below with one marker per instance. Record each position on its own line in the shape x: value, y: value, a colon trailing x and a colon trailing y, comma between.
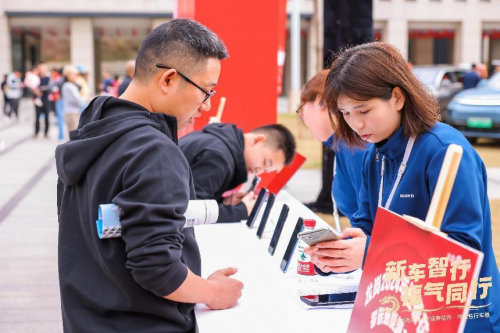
x: 265, y: 216
x: 257, y: 207
x: 329, y: 299
x: 277, y: 231
x: 292, y: 244
x: 255, y: 182
x: 312, y: 237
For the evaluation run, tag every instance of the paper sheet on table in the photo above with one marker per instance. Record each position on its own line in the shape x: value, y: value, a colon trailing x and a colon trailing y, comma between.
x: 332, y: 284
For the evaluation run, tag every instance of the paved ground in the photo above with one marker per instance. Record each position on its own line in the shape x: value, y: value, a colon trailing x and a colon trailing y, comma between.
x: 29, y: 294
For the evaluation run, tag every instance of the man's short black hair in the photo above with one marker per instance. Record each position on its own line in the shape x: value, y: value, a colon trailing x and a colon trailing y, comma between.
x: 182, y: 44
x: 279, y: 138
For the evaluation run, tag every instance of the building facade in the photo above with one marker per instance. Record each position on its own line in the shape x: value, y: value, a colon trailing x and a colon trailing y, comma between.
x: 441, y: 31
x: 97, y: 34
x: 91, y: 34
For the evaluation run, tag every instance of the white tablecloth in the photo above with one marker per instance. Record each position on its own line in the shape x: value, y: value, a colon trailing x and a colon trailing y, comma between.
x: 268, y: 303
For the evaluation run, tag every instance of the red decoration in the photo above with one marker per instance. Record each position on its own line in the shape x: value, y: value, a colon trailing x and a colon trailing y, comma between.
x: 491, y: 33
x: 431, y: 33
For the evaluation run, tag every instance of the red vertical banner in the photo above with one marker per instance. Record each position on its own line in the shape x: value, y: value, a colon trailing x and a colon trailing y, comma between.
x: 415, y: 279
x: 184, y: 9
x: 281, y: 44
x: 248, y: 77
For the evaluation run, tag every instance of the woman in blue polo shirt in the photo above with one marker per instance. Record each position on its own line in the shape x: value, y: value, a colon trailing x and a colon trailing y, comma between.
x: 375, y: 98
x: 347, y: 178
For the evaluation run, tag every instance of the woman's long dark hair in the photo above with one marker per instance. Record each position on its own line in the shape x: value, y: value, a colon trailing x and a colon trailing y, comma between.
x: 373, y: 70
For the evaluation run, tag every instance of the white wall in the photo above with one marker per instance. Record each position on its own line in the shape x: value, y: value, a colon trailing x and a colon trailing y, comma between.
x: 465, y: 17
x: 122, y: 6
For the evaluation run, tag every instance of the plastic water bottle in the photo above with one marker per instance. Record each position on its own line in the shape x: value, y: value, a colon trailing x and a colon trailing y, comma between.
x: 305, y: 268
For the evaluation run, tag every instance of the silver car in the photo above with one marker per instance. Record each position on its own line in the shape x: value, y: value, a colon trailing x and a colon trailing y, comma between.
x: 444, y: 81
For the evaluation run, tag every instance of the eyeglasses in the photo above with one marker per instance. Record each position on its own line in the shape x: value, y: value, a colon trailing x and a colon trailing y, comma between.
x: 300, y: 111
x: 208, y: 94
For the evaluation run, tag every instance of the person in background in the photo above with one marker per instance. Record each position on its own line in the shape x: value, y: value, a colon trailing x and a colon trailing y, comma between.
x: 73, y: 102
x: 107, y: 83
x: 115, y: 85
x: 471, y: 78
x: 129, y: 70
x: 43, y: 106
x: 57, y: 82
x: 32, y: 84
x: 375, y: 98
x: 264, y: 149
x: 14, y: 92
x: 5, y: 98
x: 82, y: 82
x: 482, y: 70
x: 348, y: 162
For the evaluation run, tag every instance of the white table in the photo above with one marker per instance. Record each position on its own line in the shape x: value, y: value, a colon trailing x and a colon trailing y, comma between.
x: 267, y: 305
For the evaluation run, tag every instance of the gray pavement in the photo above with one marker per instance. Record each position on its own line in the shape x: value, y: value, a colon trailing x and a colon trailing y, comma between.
x: 29, y: 293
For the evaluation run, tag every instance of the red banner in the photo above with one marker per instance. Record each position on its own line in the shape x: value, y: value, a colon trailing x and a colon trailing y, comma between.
x: 253, y: 35
x: 416, y: 280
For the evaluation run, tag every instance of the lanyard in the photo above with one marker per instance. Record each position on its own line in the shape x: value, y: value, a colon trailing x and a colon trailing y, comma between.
x: 402, y: 167
x: 336, y: 216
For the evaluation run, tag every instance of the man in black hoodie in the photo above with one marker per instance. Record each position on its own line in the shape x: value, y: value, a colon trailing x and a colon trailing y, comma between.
x: 221, y: 157
x: 125, y: 151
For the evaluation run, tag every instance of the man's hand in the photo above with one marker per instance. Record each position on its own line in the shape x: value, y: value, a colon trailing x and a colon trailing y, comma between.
x: 249, y: 201
x: 225, y: 290
x: 234, y: 199
x: 342, y: 255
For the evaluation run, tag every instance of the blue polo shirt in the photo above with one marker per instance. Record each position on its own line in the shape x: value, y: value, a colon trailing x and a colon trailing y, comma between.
x: 348, y: 177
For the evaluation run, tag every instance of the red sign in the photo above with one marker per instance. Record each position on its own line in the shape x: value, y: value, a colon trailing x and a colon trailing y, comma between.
x: 415, y: 279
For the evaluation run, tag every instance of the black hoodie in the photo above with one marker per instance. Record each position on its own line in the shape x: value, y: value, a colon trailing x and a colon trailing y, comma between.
x: 123, y: 154
x: 217, y: 160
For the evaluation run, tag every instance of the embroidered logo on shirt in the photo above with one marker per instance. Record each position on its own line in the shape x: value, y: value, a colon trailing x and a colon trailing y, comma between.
x: 411, y: 195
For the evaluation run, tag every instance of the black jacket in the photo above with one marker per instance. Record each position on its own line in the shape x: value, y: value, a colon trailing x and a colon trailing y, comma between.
x: 125, y: 155
x: 216, y: 157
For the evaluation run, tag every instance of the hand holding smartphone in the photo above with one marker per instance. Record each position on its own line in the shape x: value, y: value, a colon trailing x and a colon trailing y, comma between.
x: 313, y: 237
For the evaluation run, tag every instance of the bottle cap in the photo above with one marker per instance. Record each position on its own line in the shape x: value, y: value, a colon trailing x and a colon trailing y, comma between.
x: 310, y: 223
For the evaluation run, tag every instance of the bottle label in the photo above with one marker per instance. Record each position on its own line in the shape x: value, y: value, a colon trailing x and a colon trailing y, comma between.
x: 305, y: 268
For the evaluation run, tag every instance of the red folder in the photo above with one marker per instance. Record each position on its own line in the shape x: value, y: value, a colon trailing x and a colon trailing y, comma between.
x: 406, y: 258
